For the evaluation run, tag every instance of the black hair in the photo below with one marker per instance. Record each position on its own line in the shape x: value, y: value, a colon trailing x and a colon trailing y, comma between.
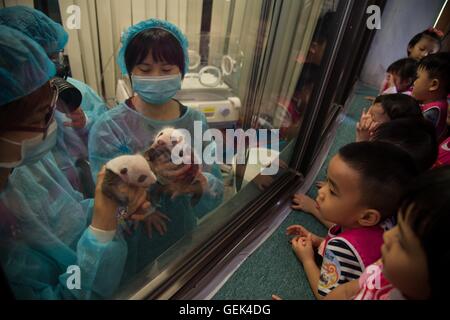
x: 162, y: 44
x: 415, y: 136
x: 309, y: 76
x: 405, y: 68
x: 438, y: 67
x: 384, y: 171
x: 325, y: 26
x: 427, y: 33
x: 426, y: 209
x: 398, y: 105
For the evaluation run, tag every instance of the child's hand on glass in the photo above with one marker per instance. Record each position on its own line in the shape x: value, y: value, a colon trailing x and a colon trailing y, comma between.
x: 304, y: 203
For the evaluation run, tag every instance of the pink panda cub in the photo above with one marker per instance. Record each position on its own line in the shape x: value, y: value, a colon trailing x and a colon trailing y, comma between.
x: 168, y: 141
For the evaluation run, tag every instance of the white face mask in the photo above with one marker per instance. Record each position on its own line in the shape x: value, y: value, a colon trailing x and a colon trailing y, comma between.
x: 34, y: 149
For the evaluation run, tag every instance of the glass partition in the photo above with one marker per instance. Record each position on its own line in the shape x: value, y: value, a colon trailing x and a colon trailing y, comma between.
x: 254, y: 66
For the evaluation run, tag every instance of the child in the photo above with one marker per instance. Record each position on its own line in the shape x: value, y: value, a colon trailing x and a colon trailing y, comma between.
x: 289, y: 114
x: 415, y: 136
x: 401, y: 76
x: 431, y: 89
x: 413, y: 253
x: 386, y: 108
x: 361, y: 192
x: 421, y: 45
x: 425, y: 43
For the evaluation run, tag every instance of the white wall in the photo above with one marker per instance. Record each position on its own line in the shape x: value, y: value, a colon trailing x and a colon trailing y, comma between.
x: 401, y: 20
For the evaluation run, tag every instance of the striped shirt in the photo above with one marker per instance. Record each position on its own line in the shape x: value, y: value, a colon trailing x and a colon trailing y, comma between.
x: 340, y: 265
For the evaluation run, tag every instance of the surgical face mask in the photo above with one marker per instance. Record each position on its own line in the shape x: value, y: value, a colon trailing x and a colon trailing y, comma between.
x: 34, y: 149
x: 156, y: 90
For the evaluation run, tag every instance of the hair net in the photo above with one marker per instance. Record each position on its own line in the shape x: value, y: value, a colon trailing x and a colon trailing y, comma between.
x: 134, y: 30
x: 24, y: 66
x: 35, y: 24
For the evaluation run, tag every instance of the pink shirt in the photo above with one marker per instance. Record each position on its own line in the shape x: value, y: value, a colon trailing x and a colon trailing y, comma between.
x: 365, y: 242
x: 436, y: 112
x: 374, y: 286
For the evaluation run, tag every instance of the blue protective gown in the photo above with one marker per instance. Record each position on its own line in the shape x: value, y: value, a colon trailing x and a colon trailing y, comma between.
x: 72, y: 143
x: 52, y: 234
x: 123, y: 131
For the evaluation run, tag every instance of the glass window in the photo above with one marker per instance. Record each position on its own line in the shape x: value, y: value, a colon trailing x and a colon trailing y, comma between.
x: 254, y: 67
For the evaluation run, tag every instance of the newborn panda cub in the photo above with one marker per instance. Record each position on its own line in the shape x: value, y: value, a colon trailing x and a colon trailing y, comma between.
x: 160, y: 152
x: 126, y: 171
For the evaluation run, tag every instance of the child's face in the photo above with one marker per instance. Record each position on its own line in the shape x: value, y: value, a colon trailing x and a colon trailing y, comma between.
x: 151, y: 68
x: 378, y: 114
x: 339, y: 199
x: 316, y: 52
x: 400, y: 84
x: 404, y: 260
x: 423, y: 48
x: 422, y: 86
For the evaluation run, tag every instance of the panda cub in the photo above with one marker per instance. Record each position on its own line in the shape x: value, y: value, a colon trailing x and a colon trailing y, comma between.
x: 124, y: 171
x: 160, y: 152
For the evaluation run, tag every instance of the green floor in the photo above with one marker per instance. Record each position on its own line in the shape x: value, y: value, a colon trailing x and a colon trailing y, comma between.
x: 273, y: 268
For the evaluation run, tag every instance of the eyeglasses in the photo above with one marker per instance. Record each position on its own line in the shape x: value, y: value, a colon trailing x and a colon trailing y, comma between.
x: 49, y: 116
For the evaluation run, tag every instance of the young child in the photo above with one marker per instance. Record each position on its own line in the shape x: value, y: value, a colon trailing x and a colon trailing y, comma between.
x: 360, y: 193
x: 421, y: 45
x: 401, y: 76
x: 413, y: 253
x: 417, y: 137
x: 386, y: 108
x: 431, y: 89
x: 289, y: 114
x: 425, y: 43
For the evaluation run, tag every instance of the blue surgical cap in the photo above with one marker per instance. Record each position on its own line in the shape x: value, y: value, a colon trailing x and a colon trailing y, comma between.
x: 24, y: 65
x: 35, y: 24
x: 134, y: 30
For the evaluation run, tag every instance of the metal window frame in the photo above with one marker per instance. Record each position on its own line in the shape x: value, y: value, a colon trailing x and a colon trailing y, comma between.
x: 225, y: 243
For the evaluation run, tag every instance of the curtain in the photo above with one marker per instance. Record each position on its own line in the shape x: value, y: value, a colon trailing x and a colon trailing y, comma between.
x: 236, y: 30
x: 93, y: 48
x: 292, y: 27
x: 272, y: 38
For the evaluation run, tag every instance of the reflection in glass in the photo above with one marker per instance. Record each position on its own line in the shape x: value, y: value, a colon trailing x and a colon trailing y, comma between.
x: 261, y: 66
